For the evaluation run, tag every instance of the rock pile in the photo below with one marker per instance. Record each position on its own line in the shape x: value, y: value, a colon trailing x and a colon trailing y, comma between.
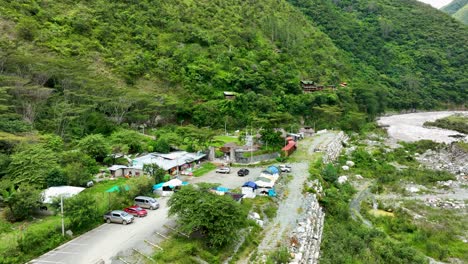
x: 451, y: 159
x: 315, y: 184
x: 446, y: 204
x: 306, y: 236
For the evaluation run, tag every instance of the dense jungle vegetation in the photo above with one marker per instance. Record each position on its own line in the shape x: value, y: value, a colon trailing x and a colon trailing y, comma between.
x: 77, y: 78
x: 458, y: 9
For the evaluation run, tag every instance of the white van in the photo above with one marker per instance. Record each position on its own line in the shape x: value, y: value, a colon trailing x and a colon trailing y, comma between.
x: 147, y: 202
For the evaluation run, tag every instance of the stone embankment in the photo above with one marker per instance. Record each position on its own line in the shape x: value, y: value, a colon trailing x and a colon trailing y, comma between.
x: 307, y: 235
x: 333, y: 149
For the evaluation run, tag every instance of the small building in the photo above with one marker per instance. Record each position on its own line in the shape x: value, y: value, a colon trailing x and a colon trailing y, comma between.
x: 289, y: 148
x: 311, y: 86
x: 229, y: 95
x: 173, y: 162
x: 121, y: 171
x: 306, y: 131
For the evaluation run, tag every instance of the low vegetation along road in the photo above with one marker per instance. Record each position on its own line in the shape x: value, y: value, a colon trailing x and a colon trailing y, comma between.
x: 101, y: 244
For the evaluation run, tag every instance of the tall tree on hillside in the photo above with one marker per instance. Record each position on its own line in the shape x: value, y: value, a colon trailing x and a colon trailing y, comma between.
x: 31, y: 165
x: 95, y: 146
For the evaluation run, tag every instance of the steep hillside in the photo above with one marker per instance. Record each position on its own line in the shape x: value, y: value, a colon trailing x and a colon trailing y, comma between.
x: 78, y: 68
x: 406, y: 45
x: 86, y: 66
x: 454, y: 6
x: 462, y: 15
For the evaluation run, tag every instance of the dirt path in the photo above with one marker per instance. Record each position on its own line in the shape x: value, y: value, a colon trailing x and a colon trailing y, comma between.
x: 355, y: 204
x: 289, y: 208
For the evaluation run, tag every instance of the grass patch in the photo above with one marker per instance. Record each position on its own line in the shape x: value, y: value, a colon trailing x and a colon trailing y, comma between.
x: 205, y: 168
x: 219, y: 141
x: 436, y: 235
x: 11, y: 233
x: 103, y: 186
x: 457, y: 122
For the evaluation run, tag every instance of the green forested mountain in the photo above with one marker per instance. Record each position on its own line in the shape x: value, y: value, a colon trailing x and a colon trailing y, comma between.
x: 458, y: 9
x: 81, y: 67
x: 454, y: 6
x: 405, y: 45
x: 462, y: 15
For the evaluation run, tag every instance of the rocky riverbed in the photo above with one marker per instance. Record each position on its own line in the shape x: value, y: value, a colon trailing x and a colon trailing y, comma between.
x: 410, y: 127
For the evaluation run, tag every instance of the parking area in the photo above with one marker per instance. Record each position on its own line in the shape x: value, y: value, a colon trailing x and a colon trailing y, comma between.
x: 103, y: 243
x: 230, y: 180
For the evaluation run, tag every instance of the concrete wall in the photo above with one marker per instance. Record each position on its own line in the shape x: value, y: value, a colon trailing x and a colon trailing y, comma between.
x: 243, y: 160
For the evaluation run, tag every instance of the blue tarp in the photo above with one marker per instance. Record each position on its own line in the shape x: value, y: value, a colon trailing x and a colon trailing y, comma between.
x: 158, y: 186
x: 221, y: 189
x: 250, y: 184
x: 273, y: 170
x: 117, y: 188
x: 272, y: 193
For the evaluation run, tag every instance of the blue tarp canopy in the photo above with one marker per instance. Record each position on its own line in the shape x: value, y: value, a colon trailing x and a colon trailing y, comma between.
x: 171, y: 184
x: 117, y: 188
x: 250, y: 184
x: 272, y: 170
x: 221, y: 189
x: 158, y: 186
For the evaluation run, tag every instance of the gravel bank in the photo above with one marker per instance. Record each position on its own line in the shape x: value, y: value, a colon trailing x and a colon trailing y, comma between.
x: 409, y: 127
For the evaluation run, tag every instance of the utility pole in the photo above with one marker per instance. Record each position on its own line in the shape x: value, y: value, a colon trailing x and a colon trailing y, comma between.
x: 61, y: 209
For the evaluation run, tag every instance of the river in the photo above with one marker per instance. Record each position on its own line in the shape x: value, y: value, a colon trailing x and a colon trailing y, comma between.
x: 409, y: 127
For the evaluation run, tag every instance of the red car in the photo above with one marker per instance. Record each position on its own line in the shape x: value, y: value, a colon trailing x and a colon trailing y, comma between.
x: 136, y: 211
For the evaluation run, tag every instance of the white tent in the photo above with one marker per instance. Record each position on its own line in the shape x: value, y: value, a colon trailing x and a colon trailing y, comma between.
x: 55, y: 192
x: 173, y: 183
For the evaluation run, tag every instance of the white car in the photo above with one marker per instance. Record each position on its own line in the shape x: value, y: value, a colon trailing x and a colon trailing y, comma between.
x: 285, y: 168
x: 223, y: 170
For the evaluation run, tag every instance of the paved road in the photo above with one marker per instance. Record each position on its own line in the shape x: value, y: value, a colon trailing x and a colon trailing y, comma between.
x: 101, y: 244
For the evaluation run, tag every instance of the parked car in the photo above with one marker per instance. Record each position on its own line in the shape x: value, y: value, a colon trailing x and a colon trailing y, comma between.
x: 136, y: 211
x: 223, y: 170
x: 146, y: 202
x: 118, y: 216
x: 285, y: 168
x: 242, y: 172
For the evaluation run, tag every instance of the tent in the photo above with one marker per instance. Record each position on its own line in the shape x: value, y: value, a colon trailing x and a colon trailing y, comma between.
x: 219, y: 190
x: 250, y: 184
x: 65, y: 191
x: 262, y: 184
x: 272, y: 170
x: 174, y: 183
x: 171, y: 184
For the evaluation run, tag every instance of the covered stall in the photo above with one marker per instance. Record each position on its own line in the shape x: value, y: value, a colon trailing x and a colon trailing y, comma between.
x: 248, y: 189
x: 168, y: 188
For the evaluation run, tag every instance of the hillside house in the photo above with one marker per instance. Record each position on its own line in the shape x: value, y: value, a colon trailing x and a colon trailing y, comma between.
x: 229, y: 95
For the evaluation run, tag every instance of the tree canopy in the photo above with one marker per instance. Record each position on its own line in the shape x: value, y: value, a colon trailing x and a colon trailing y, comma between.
x: 216, y: 217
